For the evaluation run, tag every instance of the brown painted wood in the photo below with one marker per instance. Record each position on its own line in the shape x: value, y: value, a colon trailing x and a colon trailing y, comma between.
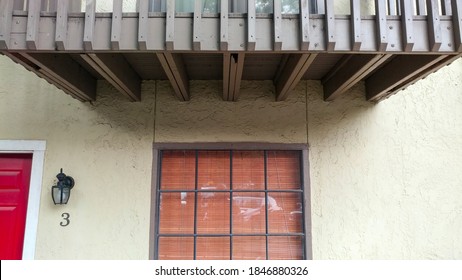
x: 381, y: 25
x: 457, y: 23
x: 294, y: 69
x: 395, y: 73
x: 116, y: 70
x: 6, y: 17
x: 33, y: 20
x: 174, y: 68
x: 304, y: 24
x: 116, y: 25
x: 355, y: 7
x: 66, y: 71
x: 330, y: 25
x: 407, y: 25
x: 61, y: 25
x: 434, y: 27
x: 351, y: 71
x: 143, y: 25
x: 233, y: 66
x: 89, y: 29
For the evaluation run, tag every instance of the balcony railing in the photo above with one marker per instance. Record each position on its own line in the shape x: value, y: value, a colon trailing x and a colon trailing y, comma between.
x: 389, y: 44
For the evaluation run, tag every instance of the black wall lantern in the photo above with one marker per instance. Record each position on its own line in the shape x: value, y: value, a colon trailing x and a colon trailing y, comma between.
x: 62, y: 190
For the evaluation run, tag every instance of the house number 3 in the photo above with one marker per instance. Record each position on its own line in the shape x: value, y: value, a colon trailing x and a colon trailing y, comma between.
x: 66, y: 220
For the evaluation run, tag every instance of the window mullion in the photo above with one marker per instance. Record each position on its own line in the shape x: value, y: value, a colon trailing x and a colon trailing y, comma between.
x: 231, y: 204
x: 266, y: 200
x: 196, y: 182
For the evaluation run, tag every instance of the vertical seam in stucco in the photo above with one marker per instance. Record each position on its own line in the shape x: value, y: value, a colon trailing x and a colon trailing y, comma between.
x: 306, y: 118
x: 155, y: 112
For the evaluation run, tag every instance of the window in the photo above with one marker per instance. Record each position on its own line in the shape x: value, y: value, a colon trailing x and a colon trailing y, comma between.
x: 230, y: 204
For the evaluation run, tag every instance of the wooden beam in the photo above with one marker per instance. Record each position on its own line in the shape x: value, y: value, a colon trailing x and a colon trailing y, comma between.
x: 407, y: 25
x: 355, y: 25
x: 170, y: 26
x: 116, y: 25
x: 350, y: 71
x: 118, y: 72
x: 197, y: 25
x: 89, y: 29
x: 277, y: 25
x: 251, y: 23
x: 61, y: 25
x: 65, y: 71
x: 224, y: 27
x: 434, y: 27
x: 329, y: 25
x: 175, y: 70
x: 21, y: 60
x: 233, y: 66
x: 6, y: 17
x: 457, y: 23
x: 304, y: 25
x: 294, y: 69
x: 422, y: 75
x: 143, y: 25
x: 391, y: 76
x: 33, y: 20
x: 381, y: 25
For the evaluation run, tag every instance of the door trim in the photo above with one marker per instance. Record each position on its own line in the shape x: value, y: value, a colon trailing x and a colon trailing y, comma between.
x: 37, y: 148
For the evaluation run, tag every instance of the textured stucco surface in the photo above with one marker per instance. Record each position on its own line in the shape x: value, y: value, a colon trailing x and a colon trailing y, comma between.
x: 385, y: 178
x: 106, y: 147
x: 256, y: 117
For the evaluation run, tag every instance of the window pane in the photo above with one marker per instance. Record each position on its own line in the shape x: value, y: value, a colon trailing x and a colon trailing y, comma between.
x: 249, y: 248
x: 248, y: 170
x: 249, y: 212
x: 213, y: 248
x: 176, y: 248
x: 176, y: 212
x: 213, y: 213
x: 290, y: 6
x: 214, y: 170
x: 178, y: 170
x: 285, y: 248
x: 285, y: 212
x: 283, y: 170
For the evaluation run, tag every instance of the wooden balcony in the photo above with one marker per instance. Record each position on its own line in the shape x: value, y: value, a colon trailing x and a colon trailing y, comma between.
x: 389, y: 45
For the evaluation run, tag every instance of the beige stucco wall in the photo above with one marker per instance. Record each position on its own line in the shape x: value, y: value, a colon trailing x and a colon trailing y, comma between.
x: 385, y: 179
x: 106, y: 147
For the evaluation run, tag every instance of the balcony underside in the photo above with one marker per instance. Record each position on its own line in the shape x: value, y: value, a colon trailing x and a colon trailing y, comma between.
x: 73, y: 50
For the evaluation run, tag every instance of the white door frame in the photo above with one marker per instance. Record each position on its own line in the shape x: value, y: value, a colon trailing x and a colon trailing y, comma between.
x: 37, y: 148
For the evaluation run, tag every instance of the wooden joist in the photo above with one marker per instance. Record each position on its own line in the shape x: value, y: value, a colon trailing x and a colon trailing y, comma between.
x: 65, y: 73
x: 233, y: 66
x: 349, y: 71
x: 175, y: 70
x: 292, y: 71
x: 396, y: 73
x: 118, y: 72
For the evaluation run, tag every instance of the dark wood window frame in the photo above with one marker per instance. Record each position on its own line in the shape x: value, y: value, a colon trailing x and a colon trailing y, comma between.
x: 303, y: 148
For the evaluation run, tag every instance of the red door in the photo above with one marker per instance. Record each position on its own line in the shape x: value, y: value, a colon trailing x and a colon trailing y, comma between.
x: 14, y: 190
